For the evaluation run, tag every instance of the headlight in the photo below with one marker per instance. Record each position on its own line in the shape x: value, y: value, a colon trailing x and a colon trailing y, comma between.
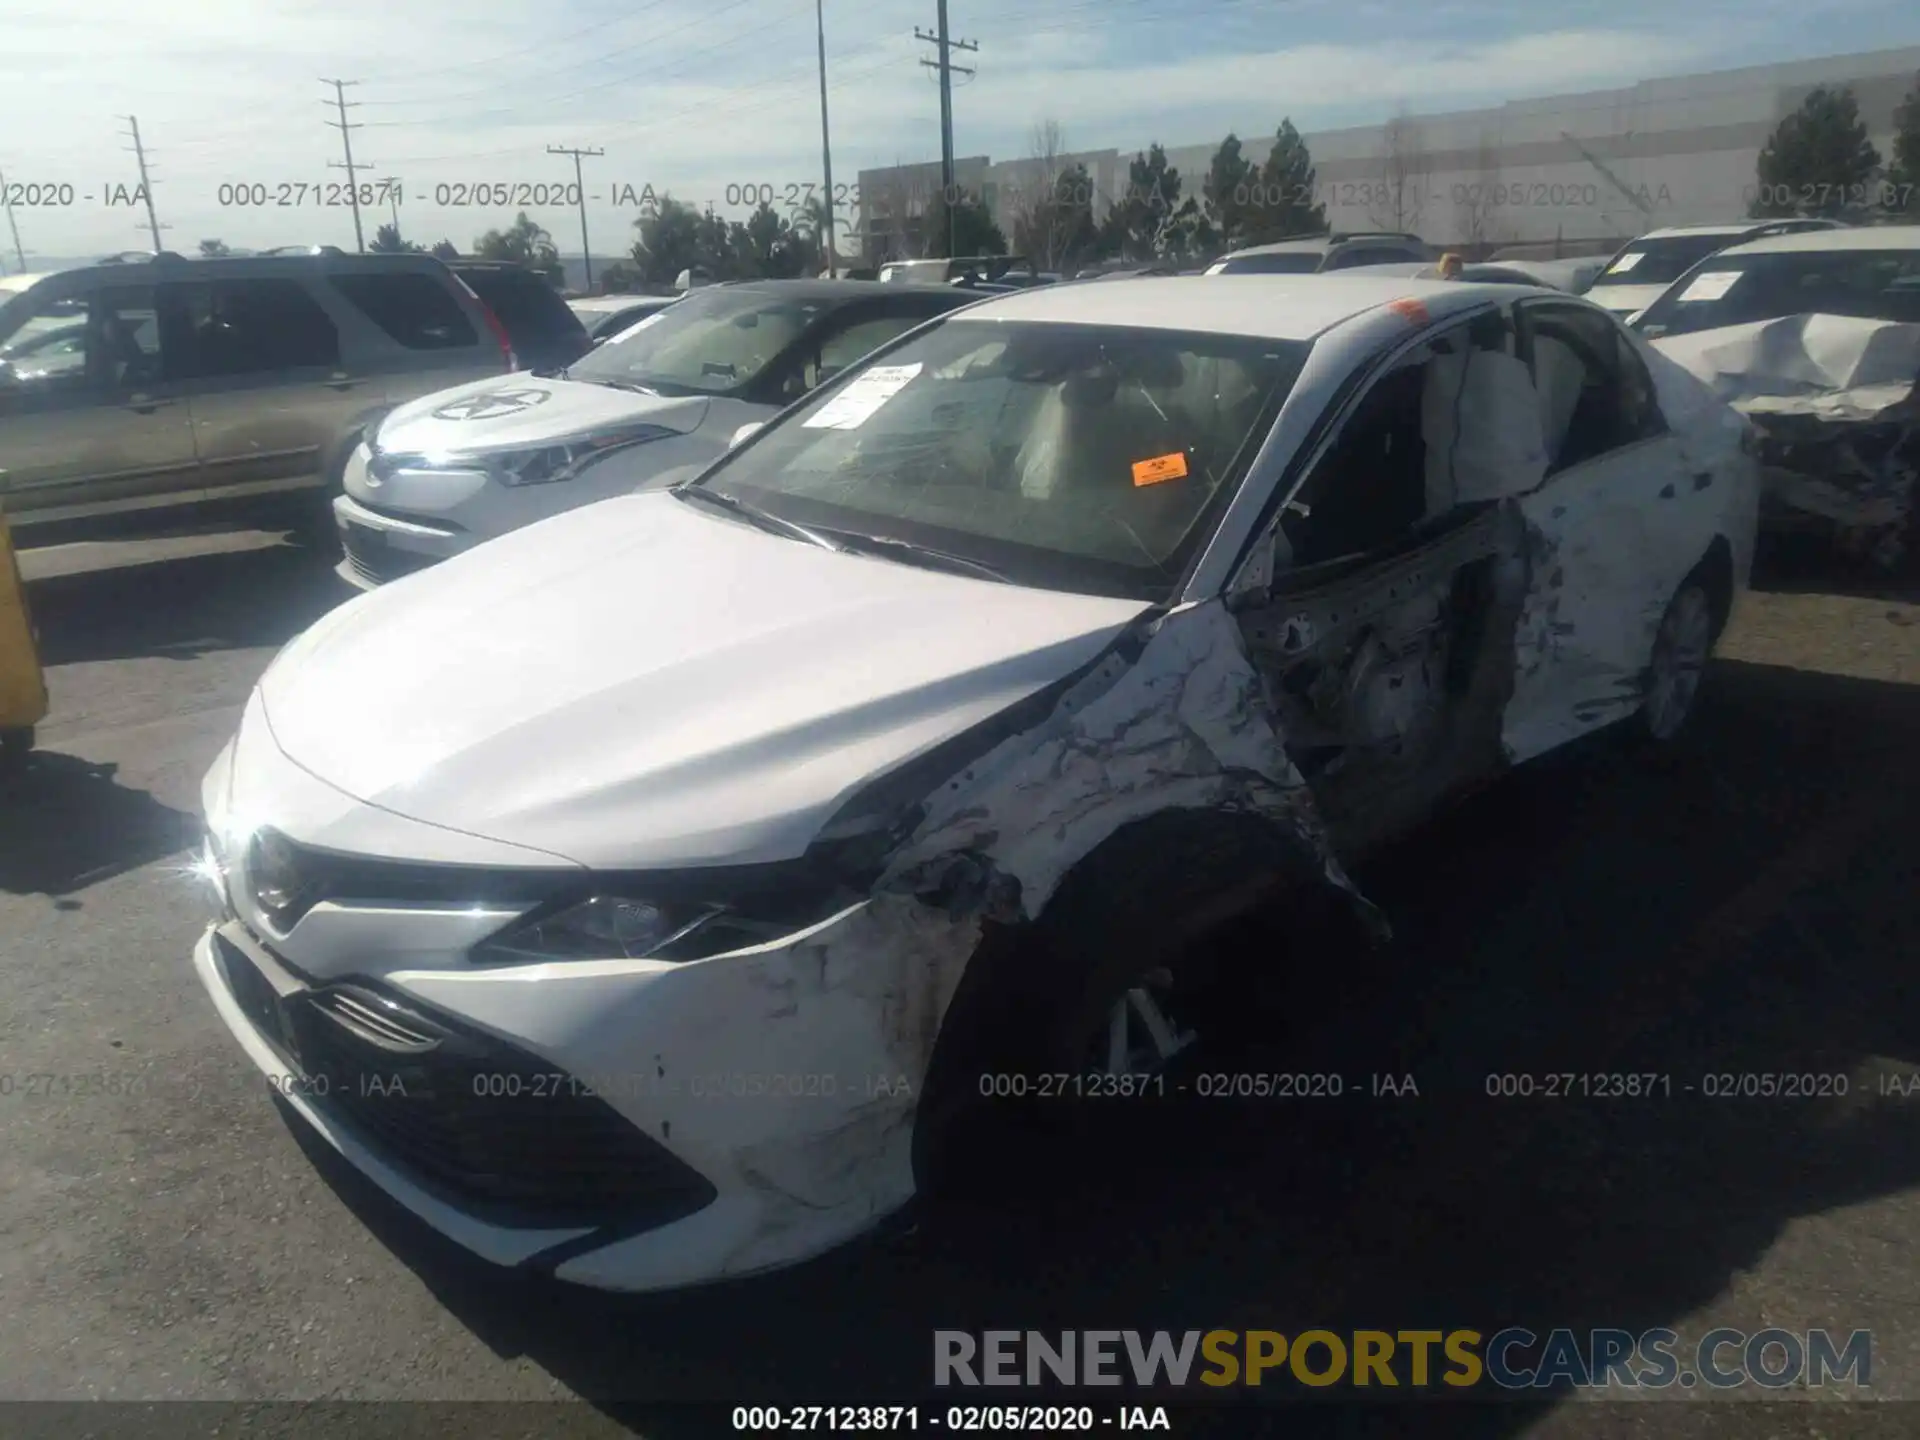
x: 546, y: 464
x: 606, y: 927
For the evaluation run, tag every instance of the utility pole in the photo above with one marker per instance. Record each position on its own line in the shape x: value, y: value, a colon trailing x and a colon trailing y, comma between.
x: 146, y: 185
x: 346, y: 141
x: 18, y: 253
x: 826, y: 145
x: 946, y: 67
x: 580, y: 189
x: 392, y: 182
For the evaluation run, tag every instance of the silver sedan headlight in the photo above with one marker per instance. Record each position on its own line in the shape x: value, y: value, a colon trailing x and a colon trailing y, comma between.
x: 548, y: 464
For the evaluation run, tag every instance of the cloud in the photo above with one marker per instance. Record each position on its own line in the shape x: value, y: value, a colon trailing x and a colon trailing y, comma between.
x: 701, y: 95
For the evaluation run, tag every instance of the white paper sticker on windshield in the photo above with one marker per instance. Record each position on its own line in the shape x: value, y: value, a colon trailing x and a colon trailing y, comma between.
x: 1625, y: 263
x: 866, y: 393
x: 1710, y: 286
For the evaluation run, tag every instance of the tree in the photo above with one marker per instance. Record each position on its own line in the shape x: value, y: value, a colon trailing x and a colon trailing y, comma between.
x: 1283, y: 193
x: 622, y: 277
x: 1818, y: 161
x: 1052, y: 211
x: 895, y: 216
x: 668, y: 240
x: 1405, y: 172
x: 1229, y: 192
x: 387, y: 241
x: 214, y: 249
x: 525, y: 243
x: 973, y: 229
x: 1143, y: 215
x: 445, y: 250
x: 769, y: 247
x: 1902, y: 192
x: 808, y: 226
x: 1474, y: 203
x: 714, y: 243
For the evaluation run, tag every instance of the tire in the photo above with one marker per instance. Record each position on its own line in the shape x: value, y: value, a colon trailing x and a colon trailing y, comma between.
x: 1682, y: 648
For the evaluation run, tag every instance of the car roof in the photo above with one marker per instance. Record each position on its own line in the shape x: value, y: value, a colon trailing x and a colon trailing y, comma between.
x: 1304, y: 245
x: 1675, y: 232
x: 608, y: 304
x: 1864, y: 237
x: 1734, y: 227
x: 1279, y: 307
x: 843, y: 290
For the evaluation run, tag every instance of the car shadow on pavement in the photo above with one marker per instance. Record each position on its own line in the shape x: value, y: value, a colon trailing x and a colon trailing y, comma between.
x: 185, y: 606
x: 66, y: 823
x: 1744, y: 905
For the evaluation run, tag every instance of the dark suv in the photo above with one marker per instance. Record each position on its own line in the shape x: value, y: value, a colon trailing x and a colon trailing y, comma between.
x: 546, y: 334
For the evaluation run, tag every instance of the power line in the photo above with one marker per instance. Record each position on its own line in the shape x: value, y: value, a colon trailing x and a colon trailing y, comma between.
x: 706, y: 109
x: 19, y: 254
x: 580, y: 193
x: 146, y: 185
x: 346, y: 142
x: 826, y: 143
x: 626, y: 79
x: 518, y: 55
x: 945, y: 48
x: 525, y: 81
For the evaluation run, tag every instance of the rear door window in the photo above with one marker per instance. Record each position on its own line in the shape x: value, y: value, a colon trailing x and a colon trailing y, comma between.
x: 537, y: 319
x: 254, y: 327
x: 412, y: 309
x: 105, y: 344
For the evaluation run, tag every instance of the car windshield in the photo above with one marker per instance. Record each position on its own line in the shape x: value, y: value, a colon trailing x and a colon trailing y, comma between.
x: 1090, y: 458
x: 1661, y: 262
x: 1740, y: 290
x: 708, y: 343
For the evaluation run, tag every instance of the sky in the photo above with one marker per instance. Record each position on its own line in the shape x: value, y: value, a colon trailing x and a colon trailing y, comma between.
x: 711, y: 100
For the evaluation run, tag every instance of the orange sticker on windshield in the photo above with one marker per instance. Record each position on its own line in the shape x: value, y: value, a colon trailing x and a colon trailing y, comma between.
x: 1410, y: 309
x: 1161, y: 467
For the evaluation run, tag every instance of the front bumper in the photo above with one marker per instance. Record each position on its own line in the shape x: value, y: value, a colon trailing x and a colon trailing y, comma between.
x: 380, y: 548
x: 746, y: 1112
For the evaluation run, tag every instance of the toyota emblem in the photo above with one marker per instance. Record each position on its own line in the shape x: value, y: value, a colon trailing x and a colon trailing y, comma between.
x: 492, y: 404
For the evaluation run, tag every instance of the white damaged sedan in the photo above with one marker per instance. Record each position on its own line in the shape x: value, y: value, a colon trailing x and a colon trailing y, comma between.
x: 643, y: 895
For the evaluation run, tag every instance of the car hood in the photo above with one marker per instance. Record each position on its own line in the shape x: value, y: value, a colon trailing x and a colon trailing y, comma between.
x: 640, y: 684
x: 1625, y: 299
x: 507, y: 412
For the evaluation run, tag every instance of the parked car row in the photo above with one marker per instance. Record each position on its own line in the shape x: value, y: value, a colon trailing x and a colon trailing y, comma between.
x: 671, y: 889
x: 169, y: 381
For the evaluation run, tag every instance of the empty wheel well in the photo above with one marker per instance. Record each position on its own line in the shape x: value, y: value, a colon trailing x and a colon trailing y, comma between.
x: 1715, y: 571
x: 1139, y: 898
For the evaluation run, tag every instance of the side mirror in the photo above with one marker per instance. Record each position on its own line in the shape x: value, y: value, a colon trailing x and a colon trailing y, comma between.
x: 745, y: 432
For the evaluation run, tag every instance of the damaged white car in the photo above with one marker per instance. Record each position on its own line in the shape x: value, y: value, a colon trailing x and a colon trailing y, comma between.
x: 1816, y: 339
x: 642, y: 896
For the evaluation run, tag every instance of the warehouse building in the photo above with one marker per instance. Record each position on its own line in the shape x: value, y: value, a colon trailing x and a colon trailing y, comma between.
x: 1573, y: 174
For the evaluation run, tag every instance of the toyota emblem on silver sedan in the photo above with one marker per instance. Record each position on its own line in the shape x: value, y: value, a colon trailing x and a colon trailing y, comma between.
x: 492, y: 404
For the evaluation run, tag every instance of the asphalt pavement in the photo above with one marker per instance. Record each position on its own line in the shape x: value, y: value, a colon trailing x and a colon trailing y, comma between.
x: 1749, y: 905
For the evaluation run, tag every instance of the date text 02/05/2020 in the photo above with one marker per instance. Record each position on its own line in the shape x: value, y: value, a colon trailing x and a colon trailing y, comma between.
x: 1042, y: 1419
x: 1207, y: 1085
x: 1655, y: 1085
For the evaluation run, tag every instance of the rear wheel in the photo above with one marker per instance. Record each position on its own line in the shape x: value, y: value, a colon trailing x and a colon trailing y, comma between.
x: 1681, y: 649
